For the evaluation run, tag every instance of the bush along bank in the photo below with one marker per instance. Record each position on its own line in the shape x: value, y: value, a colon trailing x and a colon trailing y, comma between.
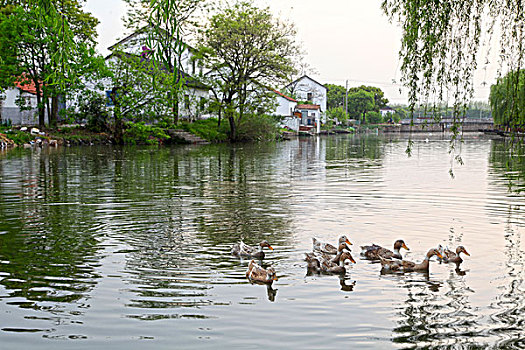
x: 253, y: 128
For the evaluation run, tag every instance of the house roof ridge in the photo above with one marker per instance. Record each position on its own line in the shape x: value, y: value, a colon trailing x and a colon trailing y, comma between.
x: 306, y: 76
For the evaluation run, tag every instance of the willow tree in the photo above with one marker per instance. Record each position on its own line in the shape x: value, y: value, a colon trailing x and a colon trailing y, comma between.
x: 443, y: 44
x: 507, y: 110
x: 167, y: 22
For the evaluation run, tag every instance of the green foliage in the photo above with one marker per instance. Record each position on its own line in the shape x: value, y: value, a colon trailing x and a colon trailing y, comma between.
x: 207, y: 129
x: 508, y: 109
x: 374, y: 117
x: 379, y: 96
x: 337, y: 114
x: 441, y: 48
x: 92, y: 109
x: 335, y: 96
x: 258, y: 127
x: 246, y: 50
x: 49, y: 43
x: 19, y: 137
x: 140, y: 133
x: 360, y: 102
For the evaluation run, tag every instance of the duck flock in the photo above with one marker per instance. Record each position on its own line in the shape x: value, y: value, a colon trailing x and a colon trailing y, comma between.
x: 330, y: 259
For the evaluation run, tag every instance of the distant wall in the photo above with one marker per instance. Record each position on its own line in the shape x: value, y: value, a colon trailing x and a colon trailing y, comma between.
x: 18, y: 117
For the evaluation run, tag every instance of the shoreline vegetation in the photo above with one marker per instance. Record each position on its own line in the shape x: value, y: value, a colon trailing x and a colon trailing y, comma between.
x: 198, y: 132
x: 207, y: 131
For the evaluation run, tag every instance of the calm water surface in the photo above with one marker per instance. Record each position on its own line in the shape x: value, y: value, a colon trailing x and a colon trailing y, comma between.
x: 123, y: 248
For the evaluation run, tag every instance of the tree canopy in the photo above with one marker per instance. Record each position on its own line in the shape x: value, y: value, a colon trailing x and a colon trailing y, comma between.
x: 445, y: 41
x: 507, y: 110
x: 49, y: 43
x: 247, y: 51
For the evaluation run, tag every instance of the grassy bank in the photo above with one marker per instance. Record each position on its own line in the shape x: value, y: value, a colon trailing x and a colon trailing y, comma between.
x: 253, y: 128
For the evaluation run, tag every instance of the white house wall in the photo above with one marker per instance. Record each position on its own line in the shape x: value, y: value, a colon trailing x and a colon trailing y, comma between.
x: 10, y: 110
x: 306, y: 85
x: 284, y: 107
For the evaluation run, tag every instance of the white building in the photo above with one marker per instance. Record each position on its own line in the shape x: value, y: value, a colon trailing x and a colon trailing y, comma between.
x: 196, y: 95
x: 307, y: 89
x: 386, y: 111
x: 285, y: 108
x: 310, y: 117
x: 22, y: 94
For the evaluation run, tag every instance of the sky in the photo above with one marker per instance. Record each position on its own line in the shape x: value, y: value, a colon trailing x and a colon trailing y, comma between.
x: 343, y: 40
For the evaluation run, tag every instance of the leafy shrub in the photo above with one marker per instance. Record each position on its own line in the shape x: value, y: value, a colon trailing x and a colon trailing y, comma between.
x: 92, y: 109
x: 374, y: 117
x: 258, y: 127
x: 140, y: 133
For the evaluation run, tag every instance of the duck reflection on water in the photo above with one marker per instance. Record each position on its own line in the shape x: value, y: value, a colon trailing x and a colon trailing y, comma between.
x: 256, y: 274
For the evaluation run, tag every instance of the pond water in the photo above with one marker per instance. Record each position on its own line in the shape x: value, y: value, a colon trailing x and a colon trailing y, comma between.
x: 127, y: 247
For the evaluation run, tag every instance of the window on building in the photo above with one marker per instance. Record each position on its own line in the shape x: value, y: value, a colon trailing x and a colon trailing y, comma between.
x: 187, y: 101
x: 309, y: 96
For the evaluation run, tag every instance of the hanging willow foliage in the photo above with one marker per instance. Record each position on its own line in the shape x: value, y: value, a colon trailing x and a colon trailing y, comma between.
x: 444, y: 41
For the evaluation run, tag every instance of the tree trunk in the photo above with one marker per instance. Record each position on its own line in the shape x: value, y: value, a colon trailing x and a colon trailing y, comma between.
x: 118, y: 125
x: 176, y: 109
x: 40, y: 106
x: 53, y: 117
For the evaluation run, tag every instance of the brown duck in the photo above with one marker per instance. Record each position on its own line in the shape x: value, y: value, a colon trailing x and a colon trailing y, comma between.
x: 331, y: 265
x: 327, y: 247
x: 317, y: 255
x: 244, y: 250
x: 408, y: 266
x: 451, y: 257
x: 258, y: 274
x: 374, y: 251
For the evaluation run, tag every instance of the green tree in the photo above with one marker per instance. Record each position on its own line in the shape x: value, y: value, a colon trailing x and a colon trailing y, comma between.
x: 441, y: 46
x: 379, y: 96
x: 166, y: 22
x: 360, y: 102
x: 246, y: 50
x: 508, y: 109
x: 49, y: 43
x: 335, y: 96
x: 337, y: 114
x: 374, y: 117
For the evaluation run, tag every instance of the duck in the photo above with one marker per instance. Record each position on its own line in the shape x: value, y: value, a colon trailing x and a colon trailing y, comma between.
x: 256, y: 273
x: 330, y: 265
x: 409, y: 266
x: 450, y: 257
x: 242, y: 249
x: 319, y: 255
x: 374, y: 251
x: 327, y: 247
x: 337, y: 268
